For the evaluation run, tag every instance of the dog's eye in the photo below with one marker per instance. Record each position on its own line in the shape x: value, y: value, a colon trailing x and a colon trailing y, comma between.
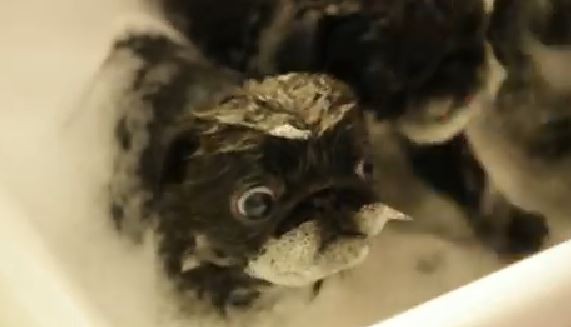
x: 365, y: 168
x: 255, y: 204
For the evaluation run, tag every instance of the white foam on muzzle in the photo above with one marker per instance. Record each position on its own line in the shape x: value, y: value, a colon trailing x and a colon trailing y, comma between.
x: 297, y: 257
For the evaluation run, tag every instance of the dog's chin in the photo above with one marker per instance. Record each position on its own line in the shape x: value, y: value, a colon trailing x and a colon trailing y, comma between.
x: 440, y: 119
x: 299, y: 258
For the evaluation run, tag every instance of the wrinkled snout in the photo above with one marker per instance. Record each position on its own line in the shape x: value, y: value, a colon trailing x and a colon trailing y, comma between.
x: 327, y: 231
x: 331, y: 205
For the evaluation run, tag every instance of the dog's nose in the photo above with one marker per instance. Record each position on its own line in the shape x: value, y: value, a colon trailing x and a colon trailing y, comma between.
x: 334, y: 201
x: 337, y: 208
x: 343, y: 195
x: 324, y: 200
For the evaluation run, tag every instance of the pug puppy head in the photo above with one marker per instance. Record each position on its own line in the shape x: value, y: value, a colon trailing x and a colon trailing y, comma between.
x: 249, y: 187
x: 274, y: 178
x: 270, y: 184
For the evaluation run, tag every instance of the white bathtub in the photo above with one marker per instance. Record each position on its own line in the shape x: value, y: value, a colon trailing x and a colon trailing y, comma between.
x: 34, y: 291
x: 49, y: 48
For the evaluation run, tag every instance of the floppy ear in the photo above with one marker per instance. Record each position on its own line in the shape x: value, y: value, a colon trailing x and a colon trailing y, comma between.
x: 178, y: 148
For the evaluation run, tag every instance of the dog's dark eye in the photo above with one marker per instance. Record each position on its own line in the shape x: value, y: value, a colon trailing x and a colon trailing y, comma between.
x: 365, y: 168
x: 255, y: 204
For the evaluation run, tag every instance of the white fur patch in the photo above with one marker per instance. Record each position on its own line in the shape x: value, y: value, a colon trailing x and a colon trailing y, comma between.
x: 297, y: 259
x: 489, y: 6
x: 372, y: 218
x: 145, y: 23
x: 290, y: 132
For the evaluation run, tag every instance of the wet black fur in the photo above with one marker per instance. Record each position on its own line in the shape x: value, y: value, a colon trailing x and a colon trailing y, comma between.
x: 393, y: 53
x: 160, y: 168
x: 227, y: 31
x: 399, y: 54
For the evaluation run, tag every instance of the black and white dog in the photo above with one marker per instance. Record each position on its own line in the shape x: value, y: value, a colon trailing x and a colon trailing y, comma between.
x: 251, y: 192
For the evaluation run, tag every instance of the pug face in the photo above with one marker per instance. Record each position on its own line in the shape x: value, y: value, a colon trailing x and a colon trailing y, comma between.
x: 273, y: 181
x: 247, y: 185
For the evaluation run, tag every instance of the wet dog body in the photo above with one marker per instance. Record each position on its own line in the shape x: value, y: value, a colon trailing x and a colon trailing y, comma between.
x: 253, y: 190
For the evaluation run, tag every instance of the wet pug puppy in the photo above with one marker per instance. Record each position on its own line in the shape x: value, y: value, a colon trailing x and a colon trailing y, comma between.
x: 423, y: 66
x: 254, y: 189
